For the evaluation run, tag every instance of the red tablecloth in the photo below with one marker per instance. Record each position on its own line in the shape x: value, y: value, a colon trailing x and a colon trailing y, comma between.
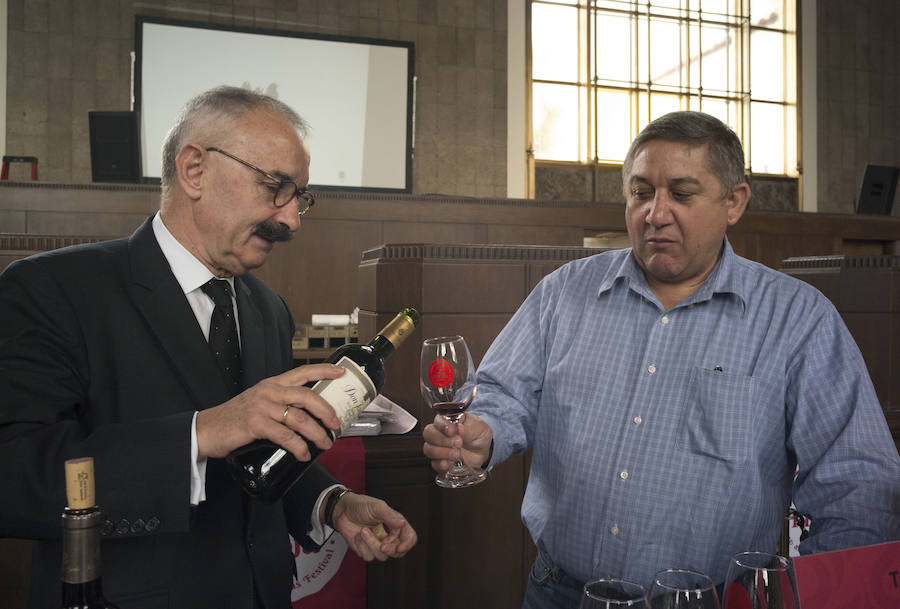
x: 334, y: 576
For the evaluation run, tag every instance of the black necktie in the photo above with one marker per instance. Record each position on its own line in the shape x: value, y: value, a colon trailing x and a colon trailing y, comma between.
x: 223, y: 338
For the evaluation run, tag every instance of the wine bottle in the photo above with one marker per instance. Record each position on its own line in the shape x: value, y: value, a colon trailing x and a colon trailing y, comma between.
x: 265, y: 470
x: 82, y: 585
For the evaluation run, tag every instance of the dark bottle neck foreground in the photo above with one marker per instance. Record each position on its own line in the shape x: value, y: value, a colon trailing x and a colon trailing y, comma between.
x: 82, y: 586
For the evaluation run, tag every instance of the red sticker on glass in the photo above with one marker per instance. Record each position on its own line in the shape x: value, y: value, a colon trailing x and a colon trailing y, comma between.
x: 440, y: 373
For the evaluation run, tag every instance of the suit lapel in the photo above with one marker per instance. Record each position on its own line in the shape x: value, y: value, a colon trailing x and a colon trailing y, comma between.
x: 159, y: 297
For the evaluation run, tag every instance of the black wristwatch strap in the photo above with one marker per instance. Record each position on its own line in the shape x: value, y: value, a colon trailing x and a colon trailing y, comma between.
x: 330, y: 503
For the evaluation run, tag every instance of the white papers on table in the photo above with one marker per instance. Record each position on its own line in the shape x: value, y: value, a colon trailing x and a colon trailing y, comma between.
x: 381, y: 416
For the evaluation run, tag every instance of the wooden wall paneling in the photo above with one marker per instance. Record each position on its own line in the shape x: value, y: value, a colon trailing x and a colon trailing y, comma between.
x: 745, y: 244
x: 110, y: 225
x: 14, y: 246
x: 316, y: 272
x: 385, y: 286
x: 859, y: 247
x: 479, y: 329
x: 535, y: 235
x: 869, y: 300
x: 539, y: 270
x: 435, y: 232
x: 449, y: 287
x: 396, y: 467
x: 876, y: 335
x: 480, y: 538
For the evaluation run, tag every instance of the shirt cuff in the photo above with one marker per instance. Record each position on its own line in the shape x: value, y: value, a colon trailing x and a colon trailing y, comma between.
x: 198, y: 468
x: 319, y: 531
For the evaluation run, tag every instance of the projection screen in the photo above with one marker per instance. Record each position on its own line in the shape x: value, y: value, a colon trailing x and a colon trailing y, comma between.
x: 356, y: 93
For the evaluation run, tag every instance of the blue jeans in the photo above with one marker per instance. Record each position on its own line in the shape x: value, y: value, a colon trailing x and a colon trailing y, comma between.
x: 549, y: 587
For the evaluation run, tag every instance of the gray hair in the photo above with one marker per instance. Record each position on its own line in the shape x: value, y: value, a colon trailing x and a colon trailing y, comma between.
x: 205, y: 113
x: 724, y: 158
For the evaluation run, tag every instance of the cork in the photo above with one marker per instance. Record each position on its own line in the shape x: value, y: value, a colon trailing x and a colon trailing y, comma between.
x: 80, y: 483
x: 379, y: 531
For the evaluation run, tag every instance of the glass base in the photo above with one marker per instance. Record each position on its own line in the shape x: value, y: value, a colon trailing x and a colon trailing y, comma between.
x: 461, y: 477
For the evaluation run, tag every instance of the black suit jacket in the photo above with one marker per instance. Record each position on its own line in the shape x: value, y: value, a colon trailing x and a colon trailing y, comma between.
x: 101, y: 356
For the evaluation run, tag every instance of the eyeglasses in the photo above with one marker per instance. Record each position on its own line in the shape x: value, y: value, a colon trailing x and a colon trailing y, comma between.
x: 284, y: 191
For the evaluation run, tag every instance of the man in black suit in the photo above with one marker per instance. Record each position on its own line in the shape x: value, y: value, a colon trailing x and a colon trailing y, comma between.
x: 103, y: 353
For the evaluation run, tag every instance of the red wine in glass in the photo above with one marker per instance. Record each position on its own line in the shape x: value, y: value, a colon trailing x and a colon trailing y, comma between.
x: 451, y: 410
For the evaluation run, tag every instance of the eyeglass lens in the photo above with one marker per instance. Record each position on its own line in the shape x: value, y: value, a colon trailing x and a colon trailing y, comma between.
x: 286, y: 192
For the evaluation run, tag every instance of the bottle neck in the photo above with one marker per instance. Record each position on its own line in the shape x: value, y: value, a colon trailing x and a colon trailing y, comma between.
x: 393, y: 334
x: 81, y: 545
x: 86, y: 594
x: 381, y: 347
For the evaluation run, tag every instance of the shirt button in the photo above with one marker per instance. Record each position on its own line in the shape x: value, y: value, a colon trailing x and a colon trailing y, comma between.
x: 623, y: 475
x: 664, y: 320
x: 614, y: 530
x: 651, y: 368
x: 638, y: 420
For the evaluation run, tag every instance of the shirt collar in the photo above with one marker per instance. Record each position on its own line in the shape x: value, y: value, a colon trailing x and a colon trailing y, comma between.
x: 188, y: 270
x: 723, y: 280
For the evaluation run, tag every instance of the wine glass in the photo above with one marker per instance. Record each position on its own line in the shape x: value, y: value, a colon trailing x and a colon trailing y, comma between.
x: 613, y: 593
x: 447, y: 381
x: 759, y: 580
x: 682, y: 589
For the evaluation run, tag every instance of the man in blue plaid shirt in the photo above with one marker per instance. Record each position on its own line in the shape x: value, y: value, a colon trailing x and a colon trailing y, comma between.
x: 671, y: 390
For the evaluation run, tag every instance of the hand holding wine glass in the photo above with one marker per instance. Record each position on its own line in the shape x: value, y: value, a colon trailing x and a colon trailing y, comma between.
x: 682, y: 589
x: 759, y: 580
x: 447, y: 381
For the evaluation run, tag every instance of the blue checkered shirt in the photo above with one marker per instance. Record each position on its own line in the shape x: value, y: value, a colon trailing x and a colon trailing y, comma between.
x: 671, y: 438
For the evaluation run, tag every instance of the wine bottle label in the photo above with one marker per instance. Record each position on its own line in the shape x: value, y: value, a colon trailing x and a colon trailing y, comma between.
x: 80, y: 483
x: 348, y: 395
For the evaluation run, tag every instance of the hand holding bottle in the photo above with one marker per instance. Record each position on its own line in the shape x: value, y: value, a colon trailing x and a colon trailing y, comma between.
x: 276, y: 409
x: 265, y: 469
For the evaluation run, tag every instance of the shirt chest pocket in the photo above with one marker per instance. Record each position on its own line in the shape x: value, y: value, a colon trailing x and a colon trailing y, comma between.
x: 718, y: 419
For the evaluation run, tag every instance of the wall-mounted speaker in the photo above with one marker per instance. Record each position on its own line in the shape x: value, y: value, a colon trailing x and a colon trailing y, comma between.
x: 115, y: 146
x: 876, y: 195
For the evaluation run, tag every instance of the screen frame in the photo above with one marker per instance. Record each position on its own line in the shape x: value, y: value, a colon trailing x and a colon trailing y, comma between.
x: 137, y: 95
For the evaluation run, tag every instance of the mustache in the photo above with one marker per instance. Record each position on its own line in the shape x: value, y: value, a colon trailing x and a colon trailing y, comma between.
x: 273, y: 231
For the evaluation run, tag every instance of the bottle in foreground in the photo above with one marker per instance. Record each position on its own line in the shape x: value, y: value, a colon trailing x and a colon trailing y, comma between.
x: 82, y: 586
x: 265, y: 470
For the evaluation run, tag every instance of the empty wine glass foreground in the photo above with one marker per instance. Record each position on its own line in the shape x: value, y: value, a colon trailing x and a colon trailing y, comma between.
x: 682, y: 589
x: 447, y: 381
x: 758, y: 580
x: 613, y: 593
